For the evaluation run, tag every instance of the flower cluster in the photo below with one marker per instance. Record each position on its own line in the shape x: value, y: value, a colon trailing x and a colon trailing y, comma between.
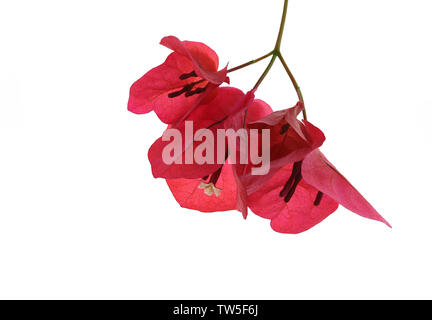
x: 300, y: 188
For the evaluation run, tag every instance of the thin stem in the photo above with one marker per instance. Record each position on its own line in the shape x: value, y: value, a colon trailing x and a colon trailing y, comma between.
x: 282, y: 26
x: 251, y: 62
x: 294, y: 82
x: 261, y: 79
x: 276, y: 53
x: 266, y: 71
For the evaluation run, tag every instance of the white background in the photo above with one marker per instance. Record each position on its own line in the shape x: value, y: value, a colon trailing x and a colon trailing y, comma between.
x: 81, y: 215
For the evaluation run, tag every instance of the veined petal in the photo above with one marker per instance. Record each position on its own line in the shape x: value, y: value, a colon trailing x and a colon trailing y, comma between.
x: 298, y: 215
x: 285, y: 148
x: 174, y: 89
x: 190, y: 196
x: 211, y: 116
x: 204, y: 59
x: 249, y: 110
x: 321, y: 174
x: 151, y: 91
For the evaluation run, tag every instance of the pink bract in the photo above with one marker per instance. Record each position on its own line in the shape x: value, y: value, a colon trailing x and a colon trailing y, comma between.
x: 187, y: 77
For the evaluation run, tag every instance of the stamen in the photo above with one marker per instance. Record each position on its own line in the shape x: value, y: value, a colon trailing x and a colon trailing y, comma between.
x: 185, y: 89
x: 196, y: 91
x: 285, y: 129
x: 287, y: 186
x: 215, y: 176
x: 318, y: 199
x: 185, y: 76
x: 293, y: 188
x: 295, y: 171
x: 290, y: 187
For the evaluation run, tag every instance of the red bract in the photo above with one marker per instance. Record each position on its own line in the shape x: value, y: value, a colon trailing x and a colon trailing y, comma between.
x: 216, y: 191
x: 207, y: 116
x: 236, y: 122
x: 291, y: 140
x: 206, y: 196
x: 295, y: 216
x: 301, y: 195
x: 187, y: 77
x: 320, y: 173
x: 240, y: 120
x: 268, y: 161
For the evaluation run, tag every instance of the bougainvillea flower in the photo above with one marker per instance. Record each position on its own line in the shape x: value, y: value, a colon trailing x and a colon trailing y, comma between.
x: 188, y: 76
x: 217, y: 191
x: 214, y: 193
x: 291, y: 140
x: 301, y: 195
x: 209, y: 116
x: 238, y: 121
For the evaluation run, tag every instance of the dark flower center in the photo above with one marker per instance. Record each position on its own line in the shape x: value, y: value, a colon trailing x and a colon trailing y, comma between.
x: 216, y: 175
x: 187, y: 90
x: 284, y: 129
x: 290, y: 187
x: 185, y: 76
x: 292, y: 183
x: 196, y: 91
x: 318, y: 199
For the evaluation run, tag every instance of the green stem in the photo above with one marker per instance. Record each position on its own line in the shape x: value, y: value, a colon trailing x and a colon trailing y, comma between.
x: 276, y: 50
x: 294, y: 82
x: 276, y: 53
x: 250, y: 62
x: 266, y: 71
x: 282, y: 26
